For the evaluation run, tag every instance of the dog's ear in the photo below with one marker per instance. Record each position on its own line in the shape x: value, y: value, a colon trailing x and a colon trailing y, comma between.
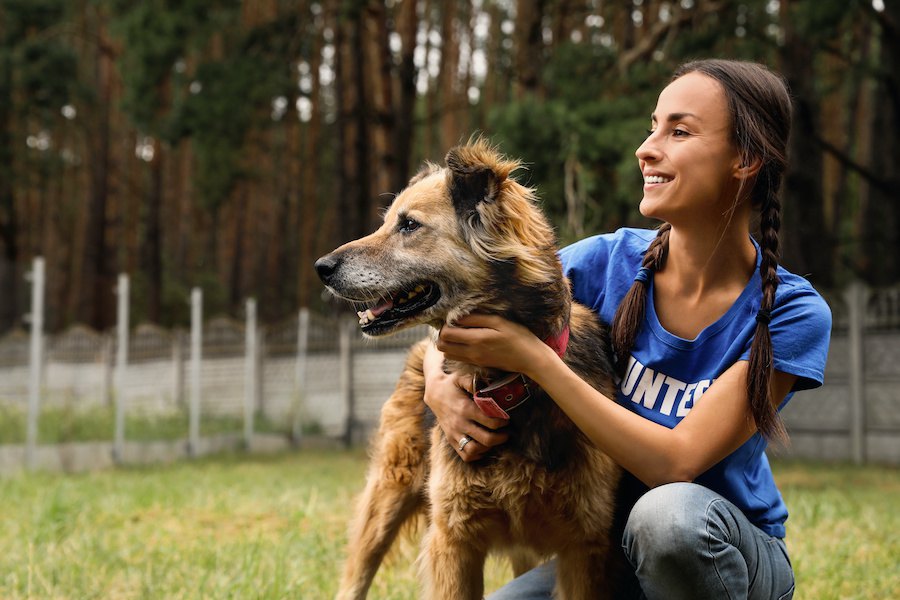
x: 471, y: 180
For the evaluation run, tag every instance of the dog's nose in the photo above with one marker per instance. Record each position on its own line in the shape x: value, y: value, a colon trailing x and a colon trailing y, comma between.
x: 326, y: 266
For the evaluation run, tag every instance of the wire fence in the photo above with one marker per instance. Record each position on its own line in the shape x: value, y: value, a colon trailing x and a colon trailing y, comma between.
x: 310, y: 377
x: 84, y: 398
x: 856, y: 414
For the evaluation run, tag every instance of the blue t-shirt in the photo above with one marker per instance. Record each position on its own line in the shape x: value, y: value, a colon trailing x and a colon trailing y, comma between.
x: 667, y: 374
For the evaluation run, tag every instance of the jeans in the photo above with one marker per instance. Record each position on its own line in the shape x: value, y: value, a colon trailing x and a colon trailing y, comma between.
x: 685, y: 541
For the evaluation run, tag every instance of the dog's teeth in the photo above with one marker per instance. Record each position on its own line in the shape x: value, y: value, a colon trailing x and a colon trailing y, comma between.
x: 411, y: 295
x: 401, y: 301
x: 366, y: 316
x: 420, y: 288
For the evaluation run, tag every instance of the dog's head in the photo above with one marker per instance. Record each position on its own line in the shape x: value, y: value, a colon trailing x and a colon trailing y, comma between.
x: 456, y: 239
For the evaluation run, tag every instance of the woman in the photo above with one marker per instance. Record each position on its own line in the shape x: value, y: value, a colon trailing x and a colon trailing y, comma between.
x: 698, y: 309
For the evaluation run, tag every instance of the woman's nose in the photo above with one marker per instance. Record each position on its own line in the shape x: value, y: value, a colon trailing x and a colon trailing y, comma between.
x: 648, y: 150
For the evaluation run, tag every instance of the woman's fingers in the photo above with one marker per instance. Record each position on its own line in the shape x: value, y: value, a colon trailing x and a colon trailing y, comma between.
x: 474, y: 445
x: 487, y: 437
x: 481, y: 432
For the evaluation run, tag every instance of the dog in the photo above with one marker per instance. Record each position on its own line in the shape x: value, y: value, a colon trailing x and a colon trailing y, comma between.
x: 460, y: 239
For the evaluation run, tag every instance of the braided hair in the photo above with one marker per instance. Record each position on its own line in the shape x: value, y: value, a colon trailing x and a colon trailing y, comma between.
x: 760, y: 109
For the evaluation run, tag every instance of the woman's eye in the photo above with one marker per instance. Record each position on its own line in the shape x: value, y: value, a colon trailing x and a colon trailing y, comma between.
x: 679, y: 133
x: 408, y: 225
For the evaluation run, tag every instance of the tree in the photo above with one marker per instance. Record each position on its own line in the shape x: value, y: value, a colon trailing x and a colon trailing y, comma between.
x: 228, y: 143
x: 809, y: 243
x: 37, y: 79
x: 881, y: 238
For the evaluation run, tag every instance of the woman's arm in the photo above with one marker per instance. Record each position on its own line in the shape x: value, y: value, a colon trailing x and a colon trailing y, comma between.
x: 717, y: 425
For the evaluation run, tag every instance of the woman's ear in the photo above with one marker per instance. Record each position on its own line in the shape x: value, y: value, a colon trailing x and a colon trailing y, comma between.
x: 747, y: 168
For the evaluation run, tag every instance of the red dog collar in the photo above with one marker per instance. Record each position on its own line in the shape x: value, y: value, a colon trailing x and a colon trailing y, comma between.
x: 512, y: 391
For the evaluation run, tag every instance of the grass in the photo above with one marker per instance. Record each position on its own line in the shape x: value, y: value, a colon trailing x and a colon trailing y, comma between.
x: 842, y: 529
x: 64, y: 423
x: 237, y: 527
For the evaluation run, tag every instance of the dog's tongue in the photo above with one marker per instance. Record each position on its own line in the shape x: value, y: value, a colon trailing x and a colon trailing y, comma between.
x: 377, y: 310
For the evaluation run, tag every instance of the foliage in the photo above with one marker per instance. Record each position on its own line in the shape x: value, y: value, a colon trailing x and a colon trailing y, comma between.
x: 218, y: 124
x: 43, y: 67
x: 585, y: 120
x: 47, y: 71
x: 228, y: 143
x: 22, y: 16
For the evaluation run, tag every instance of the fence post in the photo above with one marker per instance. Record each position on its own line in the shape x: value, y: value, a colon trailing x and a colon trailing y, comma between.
x: 300, y: 374
x: 178, y: 369
x: 107, y: 360
x: 35, y: 360
x: 196, y: 346
x: 855, y: 296
x: 122, y: 291
x: 259, y: 406
x: 249, y: 371
x: 346, y: 358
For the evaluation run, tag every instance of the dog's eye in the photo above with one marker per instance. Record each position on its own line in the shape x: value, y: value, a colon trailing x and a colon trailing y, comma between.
x: 408, y: 225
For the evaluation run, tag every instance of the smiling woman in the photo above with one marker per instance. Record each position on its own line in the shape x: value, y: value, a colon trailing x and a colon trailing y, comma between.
x: 712, y: 337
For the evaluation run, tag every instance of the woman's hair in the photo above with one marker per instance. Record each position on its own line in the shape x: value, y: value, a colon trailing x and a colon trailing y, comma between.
x: 760, y: 109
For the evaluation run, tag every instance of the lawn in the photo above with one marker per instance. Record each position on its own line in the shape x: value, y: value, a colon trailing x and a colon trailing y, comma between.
x: 234, y: 527
x: 61, y: 424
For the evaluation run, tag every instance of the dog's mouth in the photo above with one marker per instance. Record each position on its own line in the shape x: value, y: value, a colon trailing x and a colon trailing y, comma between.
x: 400, y: 306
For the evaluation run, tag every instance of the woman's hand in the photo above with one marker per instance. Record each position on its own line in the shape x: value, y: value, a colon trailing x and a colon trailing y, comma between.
x: 450, y: 399
x: 492, y: 341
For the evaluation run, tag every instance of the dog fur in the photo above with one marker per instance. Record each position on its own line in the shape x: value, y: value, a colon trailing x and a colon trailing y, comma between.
x: 470, y: 232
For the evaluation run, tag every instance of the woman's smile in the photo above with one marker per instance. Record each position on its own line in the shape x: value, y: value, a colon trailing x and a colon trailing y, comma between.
x: 652, y: 180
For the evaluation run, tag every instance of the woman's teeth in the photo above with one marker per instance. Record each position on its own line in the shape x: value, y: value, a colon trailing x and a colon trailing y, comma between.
x: 656, y: 179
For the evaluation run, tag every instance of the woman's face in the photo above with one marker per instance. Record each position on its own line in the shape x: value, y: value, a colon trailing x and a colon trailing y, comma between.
x: 688, y: 161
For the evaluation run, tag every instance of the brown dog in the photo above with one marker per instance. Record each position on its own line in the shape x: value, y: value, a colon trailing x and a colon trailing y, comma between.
x: 462, y: 239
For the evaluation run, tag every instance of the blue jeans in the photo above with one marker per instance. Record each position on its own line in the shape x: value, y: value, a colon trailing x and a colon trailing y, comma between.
x: 685, y: 541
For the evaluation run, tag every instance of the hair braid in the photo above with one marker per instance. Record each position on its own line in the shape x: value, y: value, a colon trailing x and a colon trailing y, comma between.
x: 760, y: 107
x: 630, y: 312
x: 761, y: 367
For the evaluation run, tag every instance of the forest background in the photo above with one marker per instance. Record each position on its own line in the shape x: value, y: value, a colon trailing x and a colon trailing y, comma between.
x: 228, y: 143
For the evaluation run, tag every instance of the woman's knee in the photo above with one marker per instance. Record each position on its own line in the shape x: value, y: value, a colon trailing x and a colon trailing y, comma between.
x: 667, y: 519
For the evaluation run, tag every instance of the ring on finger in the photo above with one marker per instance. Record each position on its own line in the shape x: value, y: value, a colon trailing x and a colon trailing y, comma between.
x: 463, y: 441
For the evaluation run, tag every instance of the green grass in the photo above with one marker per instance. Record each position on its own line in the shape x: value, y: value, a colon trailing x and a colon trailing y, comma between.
x: 60, y: 424
x: 236, y: 527
x: 843, y: 532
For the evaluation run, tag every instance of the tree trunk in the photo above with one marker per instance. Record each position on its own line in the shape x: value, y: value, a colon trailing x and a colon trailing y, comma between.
x: 379, y: 98
x: 881, y: 240
x: 529, y: 48
x: 807, y: 246
x: 428, y: 123
x: 407, y: 24
x: 9, y: 249
x: 447, y: 91
x: 494, y: 83
x: 352, y: 167
x: 92, y: 301
x: 152, y: 246
x: 310, y: 226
